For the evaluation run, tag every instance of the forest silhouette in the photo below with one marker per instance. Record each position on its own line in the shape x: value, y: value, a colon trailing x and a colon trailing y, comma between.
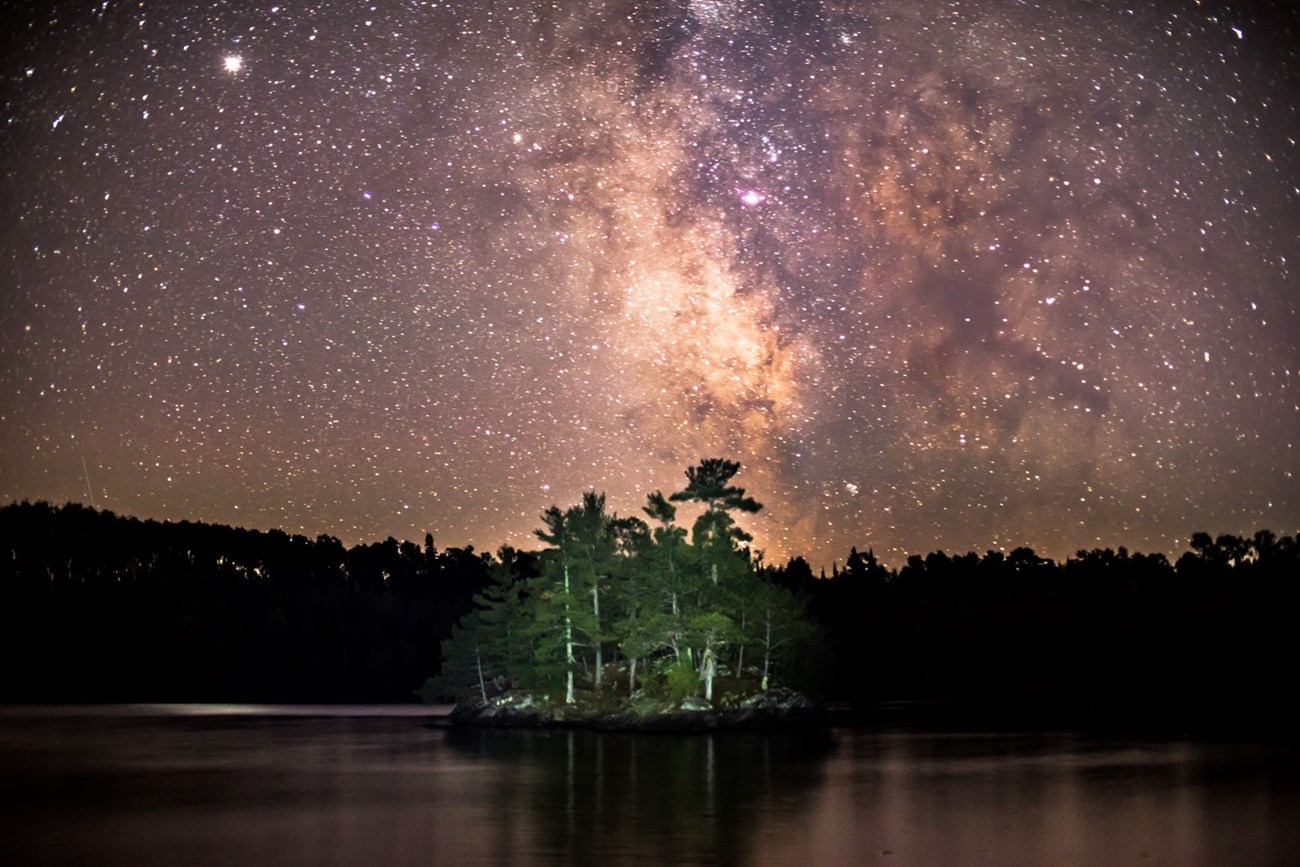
x: 98, y: 607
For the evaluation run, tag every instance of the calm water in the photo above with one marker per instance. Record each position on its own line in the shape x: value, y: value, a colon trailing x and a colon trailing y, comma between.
x: 195, y: 785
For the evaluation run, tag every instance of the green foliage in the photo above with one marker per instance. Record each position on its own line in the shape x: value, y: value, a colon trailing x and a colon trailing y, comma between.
x: 658, y: 508
x: 612, y: 588
x: 643, y: 704
x: 547, y: 623
x: 503, y: 636
x: 682, y: 681
x: 707, y: 482
x: 464, y: 674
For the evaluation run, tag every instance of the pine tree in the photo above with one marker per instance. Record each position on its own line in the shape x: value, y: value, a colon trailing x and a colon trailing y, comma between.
x: 665, y: 582
x: 553, y: 603
x: 504, y: 642
x: 629, y: 584
x: 595, y: 541
x: 463, y: 674
x: 722, y: 562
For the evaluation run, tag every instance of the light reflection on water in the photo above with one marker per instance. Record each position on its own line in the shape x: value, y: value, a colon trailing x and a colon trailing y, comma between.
x: 328, y: 785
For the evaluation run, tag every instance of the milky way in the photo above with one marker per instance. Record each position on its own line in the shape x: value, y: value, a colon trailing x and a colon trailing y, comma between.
x: 959, y: 276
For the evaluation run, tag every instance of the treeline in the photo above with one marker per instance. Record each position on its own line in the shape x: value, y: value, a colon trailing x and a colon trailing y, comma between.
x: 96, y: 607
x: 1210, y: 635
x: 99, y: 607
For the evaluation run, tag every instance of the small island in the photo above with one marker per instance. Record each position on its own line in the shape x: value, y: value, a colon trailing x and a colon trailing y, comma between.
x: 774, y: 708
x: 622, y: 623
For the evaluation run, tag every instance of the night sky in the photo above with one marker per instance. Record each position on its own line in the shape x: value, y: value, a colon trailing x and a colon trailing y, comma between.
x: 947, y: 276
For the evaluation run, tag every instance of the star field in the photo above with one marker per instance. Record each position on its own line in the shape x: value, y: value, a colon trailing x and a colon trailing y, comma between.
x: 942, y: 276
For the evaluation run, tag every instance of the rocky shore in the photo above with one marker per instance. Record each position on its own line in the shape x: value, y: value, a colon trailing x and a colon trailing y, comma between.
x: 773, y: 709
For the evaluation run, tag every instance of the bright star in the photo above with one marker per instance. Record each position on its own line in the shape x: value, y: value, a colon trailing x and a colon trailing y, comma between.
x: 234, y: 63
x: 753, y: 198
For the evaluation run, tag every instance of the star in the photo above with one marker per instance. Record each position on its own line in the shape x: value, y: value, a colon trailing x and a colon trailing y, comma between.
x: 830, y: 243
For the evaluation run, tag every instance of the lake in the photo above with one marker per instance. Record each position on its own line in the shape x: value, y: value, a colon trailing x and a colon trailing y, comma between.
x: 198, y: 784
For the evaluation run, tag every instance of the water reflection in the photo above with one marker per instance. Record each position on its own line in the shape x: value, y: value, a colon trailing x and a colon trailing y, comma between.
x: 586, y: 796
x: 137, y: 786
x: 1058, y: 798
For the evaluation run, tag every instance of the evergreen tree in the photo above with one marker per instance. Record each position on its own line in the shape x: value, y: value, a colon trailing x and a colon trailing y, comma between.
x: 630, y: 583
x: 504, y: 644
x: 595, y: 536
x: 553, y: 603
x: 464, y: 673
x: 722, y: 562
x: 664, y: 582
x: 779, y: 625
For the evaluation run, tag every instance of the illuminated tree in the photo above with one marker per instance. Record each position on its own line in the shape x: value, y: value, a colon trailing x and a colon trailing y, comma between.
x: 595, y: 536
x: 504, y: 641
x: 722, y: 562
x: 464, y: 671
x: 554, y: 600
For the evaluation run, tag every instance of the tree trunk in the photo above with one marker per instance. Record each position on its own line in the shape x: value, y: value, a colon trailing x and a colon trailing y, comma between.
x: 740, y: 662
x: 631, y: 676
x: 600, y: 663
x: 767, y: 649
x: 478, y: 665
x: 707, y: 669
x: 568, y: 642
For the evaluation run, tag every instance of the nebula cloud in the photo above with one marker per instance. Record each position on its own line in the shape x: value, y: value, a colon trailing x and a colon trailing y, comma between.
x: 966, y: 277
